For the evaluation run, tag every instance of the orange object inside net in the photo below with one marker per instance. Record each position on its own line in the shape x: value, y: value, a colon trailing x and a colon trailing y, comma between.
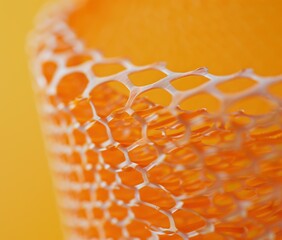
x: 143, y: 152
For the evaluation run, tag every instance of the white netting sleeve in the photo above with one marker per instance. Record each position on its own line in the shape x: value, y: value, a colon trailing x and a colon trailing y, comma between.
x: 127, y: 167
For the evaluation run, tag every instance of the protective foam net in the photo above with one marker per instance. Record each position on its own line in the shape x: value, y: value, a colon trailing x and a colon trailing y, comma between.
x: 126, y: 166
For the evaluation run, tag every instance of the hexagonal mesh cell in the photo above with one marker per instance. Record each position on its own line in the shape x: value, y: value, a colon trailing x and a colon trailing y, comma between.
x: 128, y: 166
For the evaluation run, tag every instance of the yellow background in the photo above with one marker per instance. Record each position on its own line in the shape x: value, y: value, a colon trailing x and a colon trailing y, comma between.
x: 27, y: 203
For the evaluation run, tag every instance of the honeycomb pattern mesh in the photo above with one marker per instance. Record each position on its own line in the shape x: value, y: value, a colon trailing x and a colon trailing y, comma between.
x: 126, y: 167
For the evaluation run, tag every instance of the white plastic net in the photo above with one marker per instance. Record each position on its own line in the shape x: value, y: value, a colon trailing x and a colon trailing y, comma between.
x: 126, y: 167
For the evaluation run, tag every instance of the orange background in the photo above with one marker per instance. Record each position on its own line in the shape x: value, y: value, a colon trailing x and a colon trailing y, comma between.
x: 27, y: 203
